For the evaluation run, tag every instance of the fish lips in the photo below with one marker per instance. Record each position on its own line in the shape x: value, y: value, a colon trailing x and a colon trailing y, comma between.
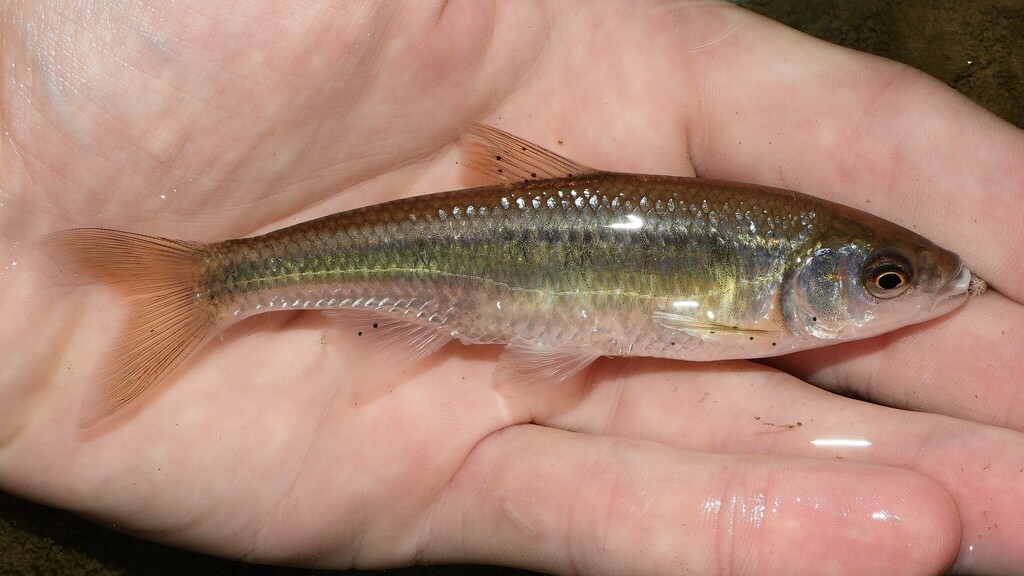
x: 951, y: 294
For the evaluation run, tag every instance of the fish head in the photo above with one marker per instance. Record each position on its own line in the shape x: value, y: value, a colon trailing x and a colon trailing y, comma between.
x: 857, y: 285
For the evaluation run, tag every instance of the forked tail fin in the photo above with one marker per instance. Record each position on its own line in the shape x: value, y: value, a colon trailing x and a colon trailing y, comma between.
x: 166, y: 320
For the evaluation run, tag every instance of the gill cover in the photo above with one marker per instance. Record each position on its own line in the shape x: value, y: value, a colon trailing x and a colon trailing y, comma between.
x: 819, y: 292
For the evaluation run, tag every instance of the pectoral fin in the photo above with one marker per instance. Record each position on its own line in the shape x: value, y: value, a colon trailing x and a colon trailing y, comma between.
x: 703, y: 328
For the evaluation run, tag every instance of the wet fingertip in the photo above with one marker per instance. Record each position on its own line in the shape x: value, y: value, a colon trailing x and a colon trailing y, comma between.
x: 874, y: 521
x: 921, y: 519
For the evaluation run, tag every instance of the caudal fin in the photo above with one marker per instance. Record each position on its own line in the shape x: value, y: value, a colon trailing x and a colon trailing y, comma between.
x: 166, y: 320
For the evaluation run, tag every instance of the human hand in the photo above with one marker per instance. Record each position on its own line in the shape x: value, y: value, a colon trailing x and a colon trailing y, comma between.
x: 204, y: 123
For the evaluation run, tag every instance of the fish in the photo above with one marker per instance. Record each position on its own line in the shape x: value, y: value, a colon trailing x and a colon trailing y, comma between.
x: 559, y: 262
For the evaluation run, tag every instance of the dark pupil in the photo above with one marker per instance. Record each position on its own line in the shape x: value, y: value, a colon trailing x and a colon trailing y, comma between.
x: 889, y: 280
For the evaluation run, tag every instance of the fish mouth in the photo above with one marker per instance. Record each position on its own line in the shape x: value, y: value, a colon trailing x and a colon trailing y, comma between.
x: 953, y: 292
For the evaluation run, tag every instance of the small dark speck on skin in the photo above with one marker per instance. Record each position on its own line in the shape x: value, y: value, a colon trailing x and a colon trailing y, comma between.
x: 814, y: 318
x: 375, y: 325
x: 560, y: 142
x: 498, y: 158
x: 360, y: 333
x: 533, y: 174
x: 774, y: 343
x: 751, y: 337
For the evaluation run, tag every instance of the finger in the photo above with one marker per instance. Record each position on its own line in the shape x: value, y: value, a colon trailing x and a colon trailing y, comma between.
x: 740, y: 408
x: 967, y: 365
x: 785, y: 109
x: 578, y: 504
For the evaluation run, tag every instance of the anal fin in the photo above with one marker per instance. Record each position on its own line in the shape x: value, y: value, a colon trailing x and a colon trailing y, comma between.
x: 387, y: 344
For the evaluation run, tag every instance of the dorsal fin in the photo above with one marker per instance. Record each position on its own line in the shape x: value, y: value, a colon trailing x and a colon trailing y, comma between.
x: 507, y: 159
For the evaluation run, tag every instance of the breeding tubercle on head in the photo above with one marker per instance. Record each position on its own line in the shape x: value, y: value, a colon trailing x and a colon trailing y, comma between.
x: 977, y: 286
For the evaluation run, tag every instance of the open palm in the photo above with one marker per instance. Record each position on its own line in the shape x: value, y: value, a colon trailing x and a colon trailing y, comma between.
x: 203, y: 122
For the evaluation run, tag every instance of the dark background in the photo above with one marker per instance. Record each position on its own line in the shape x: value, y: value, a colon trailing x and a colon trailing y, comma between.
x: 976, y: 47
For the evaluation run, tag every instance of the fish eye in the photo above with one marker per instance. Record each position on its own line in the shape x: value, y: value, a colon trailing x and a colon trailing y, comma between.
x: 888, y: 274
